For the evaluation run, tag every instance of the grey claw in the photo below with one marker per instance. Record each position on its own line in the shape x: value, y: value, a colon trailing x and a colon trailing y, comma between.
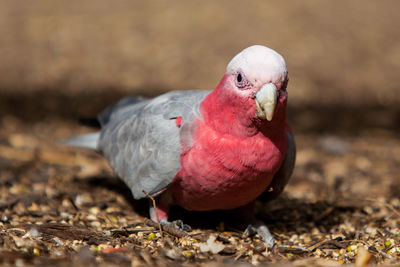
x: 258, y: 227
x: 250, y: 230
x: 178, y: 224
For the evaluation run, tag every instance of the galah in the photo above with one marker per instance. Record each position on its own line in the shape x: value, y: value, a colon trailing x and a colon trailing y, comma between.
x: 205, y: 150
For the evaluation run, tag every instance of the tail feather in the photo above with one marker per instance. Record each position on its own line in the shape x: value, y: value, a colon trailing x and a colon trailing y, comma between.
x: 89, y: 141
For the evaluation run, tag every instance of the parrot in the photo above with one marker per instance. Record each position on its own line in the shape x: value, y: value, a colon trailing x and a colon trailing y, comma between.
x: 204, y: 150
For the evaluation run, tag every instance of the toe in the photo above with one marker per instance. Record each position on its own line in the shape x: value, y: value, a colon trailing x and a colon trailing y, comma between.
x: 258, y: 227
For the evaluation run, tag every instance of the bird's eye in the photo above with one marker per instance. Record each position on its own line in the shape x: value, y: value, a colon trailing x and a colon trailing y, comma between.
x: 239, y: 78
x: 241, y: 81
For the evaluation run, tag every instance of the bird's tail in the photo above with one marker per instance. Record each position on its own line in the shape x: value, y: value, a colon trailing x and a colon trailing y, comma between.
x: 89, y: 141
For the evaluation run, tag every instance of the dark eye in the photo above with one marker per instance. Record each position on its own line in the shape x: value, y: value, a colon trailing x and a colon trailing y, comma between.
x: 241, y: 81
x: 239, y: 78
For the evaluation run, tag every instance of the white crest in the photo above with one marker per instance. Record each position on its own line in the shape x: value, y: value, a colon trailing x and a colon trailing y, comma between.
x: 260, y: 65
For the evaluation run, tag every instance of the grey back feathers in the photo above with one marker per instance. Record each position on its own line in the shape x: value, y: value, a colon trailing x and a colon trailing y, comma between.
x: 142, y: 141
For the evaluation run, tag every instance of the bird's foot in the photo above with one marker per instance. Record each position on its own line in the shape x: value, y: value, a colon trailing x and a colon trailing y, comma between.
x: 258, y: 227
x: 177, y: 224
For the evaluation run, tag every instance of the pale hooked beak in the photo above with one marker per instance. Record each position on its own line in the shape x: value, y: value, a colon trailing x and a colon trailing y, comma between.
x: 266, y: 99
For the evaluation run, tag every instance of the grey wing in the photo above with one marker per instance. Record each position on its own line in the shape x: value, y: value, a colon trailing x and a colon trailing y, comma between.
x: 121, y: 109
x: 142, y: 141
x: 283, y: 175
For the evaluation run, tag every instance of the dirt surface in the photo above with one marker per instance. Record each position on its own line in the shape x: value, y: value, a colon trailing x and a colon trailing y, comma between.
x: 61, y: 62
x: 61, y: 205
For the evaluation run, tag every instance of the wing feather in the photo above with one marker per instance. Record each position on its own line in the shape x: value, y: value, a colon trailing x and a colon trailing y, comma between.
x: 141, y: 140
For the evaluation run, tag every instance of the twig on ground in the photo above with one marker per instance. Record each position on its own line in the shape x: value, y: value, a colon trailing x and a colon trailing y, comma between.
x: 170, y: 230
x: 320, y: 243
x: 155, y: 210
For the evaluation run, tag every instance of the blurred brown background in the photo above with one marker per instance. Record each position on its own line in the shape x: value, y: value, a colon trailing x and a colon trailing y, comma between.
x: 341, y: 53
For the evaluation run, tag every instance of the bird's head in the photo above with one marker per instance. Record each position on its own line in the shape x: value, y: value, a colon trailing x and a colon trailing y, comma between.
x: 259, y: 73
x: 253, y: 89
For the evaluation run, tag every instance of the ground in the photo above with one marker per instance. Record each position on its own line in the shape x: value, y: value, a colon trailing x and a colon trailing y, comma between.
x: 61, y: 205
x: 62, y: 61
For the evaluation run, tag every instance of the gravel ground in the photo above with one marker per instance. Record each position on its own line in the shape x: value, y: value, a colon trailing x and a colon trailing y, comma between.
x: 61, y: 206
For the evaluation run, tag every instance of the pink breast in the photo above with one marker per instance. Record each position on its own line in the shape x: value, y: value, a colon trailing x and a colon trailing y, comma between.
x: 226, y: 171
